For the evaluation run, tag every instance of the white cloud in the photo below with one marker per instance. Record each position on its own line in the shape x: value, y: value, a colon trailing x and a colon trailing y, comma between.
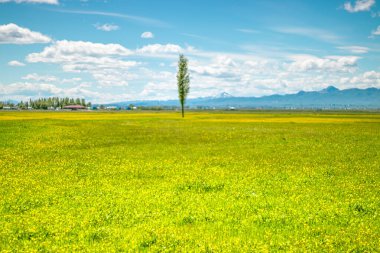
x: 26, y: 88
x: 330, y: 63
x: 107, y: 27
x: 69, y: 51
x: 222, y: 66
x: 112, y: 77
x: 159, y: 90
x: 158, y: 75
x: 72, y: 80
x: 31, y: 1
x: 14, y: 34
x: 81, y: 54
x: 157, y: 49
x: 373, y: 75
x: 103, y: 61
x: 360, y: 5
x: 39, y: 78
x: 364, y: 80
x: 376, y: 32
x: 16, y: 64
x: 37, y: 86
x: 147, y: 35
x: 246, y: 75
x: 242, y: 74
x: 355, y: 49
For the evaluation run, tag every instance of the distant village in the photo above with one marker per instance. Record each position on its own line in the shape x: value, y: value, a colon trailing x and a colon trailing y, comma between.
x: 68, y: 104
x: 51, y: 103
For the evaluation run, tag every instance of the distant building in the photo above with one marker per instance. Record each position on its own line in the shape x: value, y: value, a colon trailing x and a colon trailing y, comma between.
x: 111, y: 107
x: 74, y: 107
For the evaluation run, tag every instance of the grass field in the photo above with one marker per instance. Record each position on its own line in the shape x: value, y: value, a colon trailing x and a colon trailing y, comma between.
x: 240, y: 182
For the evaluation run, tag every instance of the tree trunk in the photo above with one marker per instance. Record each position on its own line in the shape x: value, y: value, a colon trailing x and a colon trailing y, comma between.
x: 183, y: 110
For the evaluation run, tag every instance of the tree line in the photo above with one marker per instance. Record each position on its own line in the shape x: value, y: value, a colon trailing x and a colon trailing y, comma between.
x: 46, y: 103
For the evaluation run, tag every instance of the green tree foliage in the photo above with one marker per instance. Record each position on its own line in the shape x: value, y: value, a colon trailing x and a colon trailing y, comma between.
x: 183, y: 82
x: 47, y: 103
x: 6, y: 104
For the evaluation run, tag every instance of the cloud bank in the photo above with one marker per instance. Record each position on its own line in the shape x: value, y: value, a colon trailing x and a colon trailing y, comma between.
x: 14, y: 34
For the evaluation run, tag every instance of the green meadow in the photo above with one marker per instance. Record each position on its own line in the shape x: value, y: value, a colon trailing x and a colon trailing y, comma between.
x: 211, y: 182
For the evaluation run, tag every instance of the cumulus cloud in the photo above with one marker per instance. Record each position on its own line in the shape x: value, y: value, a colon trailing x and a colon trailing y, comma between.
x: 360, y: 5
x: 79, y: 52
x: 330, y: 63
x: 372, y: 75
x: 162, y: 50
x: 39, y: 78
x: 364, y: 80
x: 237, y: 74
x: 31, y: 89
x: 211, y: 72
x: 355, y: 49
x: 159, y: 90
x: 16, y: 64
x: 222, y: 66
x: 23, y: 91
x: 107, y: 27
x: 103, y: 61
x: 36, y: 86
x: 147, y: 35
x: 31, y: 1
x: 71, y: 51
x: 71, y: 80
x: 246, y: 75
x: 14, y: 34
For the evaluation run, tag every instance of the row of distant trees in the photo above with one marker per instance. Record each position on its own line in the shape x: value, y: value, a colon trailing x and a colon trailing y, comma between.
x: 46, y: 103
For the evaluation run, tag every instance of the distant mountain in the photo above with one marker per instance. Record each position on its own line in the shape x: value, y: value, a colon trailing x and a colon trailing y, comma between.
x: 330, y: 89
x: 224, y: 95
x: 328, y: 98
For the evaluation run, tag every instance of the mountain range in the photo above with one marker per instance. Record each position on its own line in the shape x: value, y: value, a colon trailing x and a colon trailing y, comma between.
x: 328, y: 98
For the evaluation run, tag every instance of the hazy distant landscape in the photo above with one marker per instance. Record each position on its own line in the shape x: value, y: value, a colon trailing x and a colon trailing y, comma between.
x: 328, y: 98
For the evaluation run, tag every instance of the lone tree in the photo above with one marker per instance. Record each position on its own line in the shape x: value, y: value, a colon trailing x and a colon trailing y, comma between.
x: 183, y: 82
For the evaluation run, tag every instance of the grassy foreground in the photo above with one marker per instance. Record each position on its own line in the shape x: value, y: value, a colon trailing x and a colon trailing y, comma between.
x: 108, y: 182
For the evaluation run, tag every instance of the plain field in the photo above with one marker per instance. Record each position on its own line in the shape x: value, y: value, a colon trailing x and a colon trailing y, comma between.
x: 211, y: 182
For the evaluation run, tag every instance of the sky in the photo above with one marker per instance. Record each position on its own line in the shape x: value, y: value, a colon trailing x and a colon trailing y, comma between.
x: 123, y: 50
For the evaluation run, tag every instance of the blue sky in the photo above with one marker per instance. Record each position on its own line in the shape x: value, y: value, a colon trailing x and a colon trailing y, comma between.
x: 120, y: 50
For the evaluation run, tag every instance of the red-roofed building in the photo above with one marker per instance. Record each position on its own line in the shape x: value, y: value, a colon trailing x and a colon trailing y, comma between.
x: 74, y: 107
